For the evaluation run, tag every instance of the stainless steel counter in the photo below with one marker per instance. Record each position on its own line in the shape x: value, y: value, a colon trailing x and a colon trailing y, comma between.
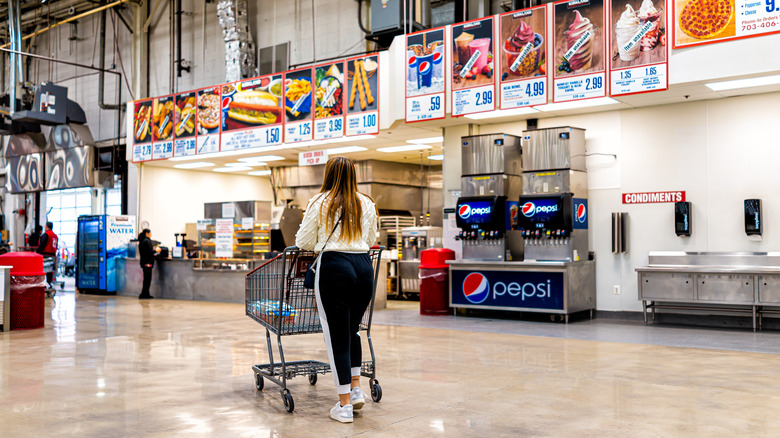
x: 714, y: 282
x: 530, y: 286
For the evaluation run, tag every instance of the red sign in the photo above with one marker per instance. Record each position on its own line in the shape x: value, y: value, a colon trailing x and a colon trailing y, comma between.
x: 653, y: 197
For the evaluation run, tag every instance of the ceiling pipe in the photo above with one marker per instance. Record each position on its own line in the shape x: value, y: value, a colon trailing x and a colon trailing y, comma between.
x: 73, y: 18
x: 16, y: 66
x: 102, y: 65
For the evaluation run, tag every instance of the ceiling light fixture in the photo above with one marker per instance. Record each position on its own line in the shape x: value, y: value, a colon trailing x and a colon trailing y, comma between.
x: 404, y: 148
x: 744, y: 83
x: 576, y: 104
x: 346, y: 150
x: 349, y: 139
x: 232, y: 169
x: 426, y: 140
x: 261, y: 158
x: 436, y: 157
x: 260, y: 173
x: 195, y: 165
x: 213, y: 155
x: 501, y: 113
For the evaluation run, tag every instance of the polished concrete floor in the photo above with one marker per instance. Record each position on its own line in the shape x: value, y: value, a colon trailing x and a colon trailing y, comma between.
x: 114, y: 366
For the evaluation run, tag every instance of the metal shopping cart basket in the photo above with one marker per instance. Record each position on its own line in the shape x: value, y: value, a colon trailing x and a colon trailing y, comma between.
x: 276, y: 298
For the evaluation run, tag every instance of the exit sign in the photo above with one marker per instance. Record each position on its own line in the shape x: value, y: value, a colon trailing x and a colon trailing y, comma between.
x: 312, y: 158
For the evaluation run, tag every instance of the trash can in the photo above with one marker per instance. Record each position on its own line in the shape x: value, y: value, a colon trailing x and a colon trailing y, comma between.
x: 28, y: 289
x: 434, y: 281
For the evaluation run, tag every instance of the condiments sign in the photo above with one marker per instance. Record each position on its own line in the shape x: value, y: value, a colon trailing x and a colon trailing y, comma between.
x: 653, y: 197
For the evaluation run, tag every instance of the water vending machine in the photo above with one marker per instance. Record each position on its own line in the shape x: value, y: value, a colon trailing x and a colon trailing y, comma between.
x: 101, y: 241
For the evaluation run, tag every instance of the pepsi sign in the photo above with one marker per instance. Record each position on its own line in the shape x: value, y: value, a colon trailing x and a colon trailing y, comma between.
x: 506, y: 289
x: 580, y: 213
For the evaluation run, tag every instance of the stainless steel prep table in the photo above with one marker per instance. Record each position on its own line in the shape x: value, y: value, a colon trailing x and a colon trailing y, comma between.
x: 720, y: 282
x: 544, y: 287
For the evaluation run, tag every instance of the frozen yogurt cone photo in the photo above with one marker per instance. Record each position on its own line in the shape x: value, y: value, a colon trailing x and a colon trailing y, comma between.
x: 581, y: 32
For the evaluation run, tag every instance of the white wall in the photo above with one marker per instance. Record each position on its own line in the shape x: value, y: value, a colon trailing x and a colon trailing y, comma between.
x: 719, y: 152
x: 172, y: 197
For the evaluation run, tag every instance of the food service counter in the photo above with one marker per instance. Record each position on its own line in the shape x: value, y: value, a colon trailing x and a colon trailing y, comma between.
x: 530, y: 286
x: 176, y: 279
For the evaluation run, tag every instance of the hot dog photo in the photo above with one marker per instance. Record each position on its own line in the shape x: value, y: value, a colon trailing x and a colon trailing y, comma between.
x: 252, y: 103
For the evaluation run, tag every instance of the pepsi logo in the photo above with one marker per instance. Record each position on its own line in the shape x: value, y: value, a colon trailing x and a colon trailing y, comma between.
x: 528, y: 209
x: 581, y: 213
x: 425, y: 67
x: 412, y: 61
x: 464, y: 211
x: 437, y: 57
x: 225, y: 102
x: 476, y: 288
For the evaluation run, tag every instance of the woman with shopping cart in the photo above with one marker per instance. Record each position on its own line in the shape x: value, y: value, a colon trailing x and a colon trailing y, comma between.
x: 341, y: 223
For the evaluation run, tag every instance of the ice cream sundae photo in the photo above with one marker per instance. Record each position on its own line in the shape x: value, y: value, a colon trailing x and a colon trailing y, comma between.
x: 638, y: 30
x: 579, y: 37
x: 522, y: 45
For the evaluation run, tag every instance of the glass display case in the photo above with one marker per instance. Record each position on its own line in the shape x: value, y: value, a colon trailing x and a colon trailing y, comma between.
x: 248, y: 245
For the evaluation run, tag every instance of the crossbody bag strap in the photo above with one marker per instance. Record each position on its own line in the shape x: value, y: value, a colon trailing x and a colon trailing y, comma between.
x: 328, y: 240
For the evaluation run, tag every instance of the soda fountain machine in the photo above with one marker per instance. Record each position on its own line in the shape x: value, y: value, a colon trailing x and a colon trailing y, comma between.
x: 487, y: 210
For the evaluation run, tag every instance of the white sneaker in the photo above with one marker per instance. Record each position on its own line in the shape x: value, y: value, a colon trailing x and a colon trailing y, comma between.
x: 341, y: 414
x: 356, y: 398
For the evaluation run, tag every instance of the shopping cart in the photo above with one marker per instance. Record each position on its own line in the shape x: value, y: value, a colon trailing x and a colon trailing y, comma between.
x: 50, y: 267
x: 276, y: 298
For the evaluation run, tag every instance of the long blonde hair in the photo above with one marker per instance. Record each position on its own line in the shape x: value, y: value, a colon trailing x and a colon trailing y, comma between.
x: 340, y: 187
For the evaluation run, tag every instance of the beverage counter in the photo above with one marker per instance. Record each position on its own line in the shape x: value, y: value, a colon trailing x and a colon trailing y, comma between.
x: 176, y: 279
x: 544, y: 287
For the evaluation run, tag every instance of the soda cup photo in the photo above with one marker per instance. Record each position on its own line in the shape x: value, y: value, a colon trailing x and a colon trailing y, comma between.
x: 425, y: 74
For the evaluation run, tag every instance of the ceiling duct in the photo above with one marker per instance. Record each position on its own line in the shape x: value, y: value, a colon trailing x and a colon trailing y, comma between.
x: 240, y: 60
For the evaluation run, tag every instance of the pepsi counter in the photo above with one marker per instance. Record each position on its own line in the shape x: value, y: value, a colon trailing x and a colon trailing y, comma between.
x: 556, y: 273
x: 530, y: 286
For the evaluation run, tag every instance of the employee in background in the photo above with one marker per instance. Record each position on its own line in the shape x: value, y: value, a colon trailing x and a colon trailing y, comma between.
x: 147, y: 250
x: 341, y: 223
x: 34, y: 239
x: 47, y: 247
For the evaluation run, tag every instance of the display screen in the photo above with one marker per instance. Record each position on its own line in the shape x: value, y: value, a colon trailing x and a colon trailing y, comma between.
x: 546, y: 212
x: 481, y: 213
x: 475, y: 212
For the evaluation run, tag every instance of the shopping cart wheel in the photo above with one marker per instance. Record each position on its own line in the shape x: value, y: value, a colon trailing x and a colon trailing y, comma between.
x: 289, y: 405
x: 312, y: 379
x: 376, y: 391
x: 259, y: 382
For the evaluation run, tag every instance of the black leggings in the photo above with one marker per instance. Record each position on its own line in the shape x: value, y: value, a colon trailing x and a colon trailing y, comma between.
x: 344, y: 287
x: 147, y: 280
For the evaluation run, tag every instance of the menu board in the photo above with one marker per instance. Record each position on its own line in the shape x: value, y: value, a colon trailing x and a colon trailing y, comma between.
x: 425, y: 60
x: 185, y: 118
x: 329, y: 101
x: 142, y: 130
x: 209, y: 119
x: 163, y: 119
x: 638, y: 61
x: 579, y: 68
x: 473, y: 64
x: 522, y: 58
x: 710, y: 21
x: 251, y: 113
x: 363, y: 102
x: 298, y: 105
